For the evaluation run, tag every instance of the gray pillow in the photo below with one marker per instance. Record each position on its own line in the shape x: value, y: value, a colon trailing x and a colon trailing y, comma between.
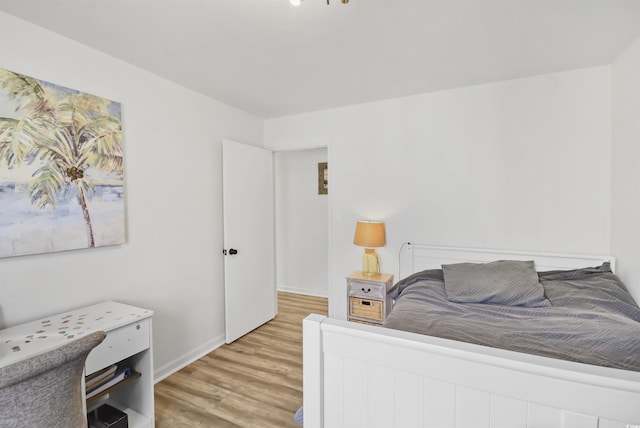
x: 505, y: 282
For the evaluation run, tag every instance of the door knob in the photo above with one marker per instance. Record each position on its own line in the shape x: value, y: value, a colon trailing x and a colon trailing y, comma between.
x: 233, y: 252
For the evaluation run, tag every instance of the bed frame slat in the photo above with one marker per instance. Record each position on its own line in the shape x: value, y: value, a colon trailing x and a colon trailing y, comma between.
x: 415, y: 258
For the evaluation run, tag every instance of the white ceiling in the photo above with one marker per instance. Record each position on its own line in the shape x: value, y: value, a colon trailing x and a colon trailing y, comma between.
x: 272, y: 59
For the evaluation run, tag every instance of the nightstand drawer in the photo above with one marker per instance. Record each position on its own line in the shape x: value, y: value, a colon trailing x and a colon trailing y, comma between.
x: 366, y: 308
x: 366, y: 291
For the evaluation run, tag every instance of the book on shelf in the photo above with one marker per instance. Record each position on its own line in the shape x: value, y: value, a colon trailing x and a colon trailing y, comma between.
x: 99, y: 377
x: 117, y: 377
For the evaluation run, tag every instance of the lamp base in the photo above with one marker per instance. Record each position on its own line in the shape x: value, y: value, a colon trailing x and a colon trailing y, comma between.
x: 370, y: 263
x: 370, y: 274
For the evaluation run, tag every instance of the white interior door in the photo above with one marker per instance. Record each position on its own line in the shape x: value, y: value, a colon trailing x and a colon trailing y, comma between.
x: 249, y: 240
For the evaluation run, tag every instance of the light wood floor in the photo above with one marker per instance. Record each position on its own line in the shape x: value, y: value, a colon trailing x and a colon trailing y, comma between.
x: 254, y: 382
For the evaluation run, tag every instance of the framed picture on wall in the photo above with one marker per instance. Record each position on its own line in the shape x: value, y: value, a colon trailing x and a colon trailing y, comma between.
x: 323, y: 178
x: 61, y: 168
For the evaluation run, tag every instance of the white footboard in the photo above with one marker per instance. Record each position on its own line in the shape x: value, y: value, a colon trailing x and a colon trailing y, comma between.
x: 364, y: 376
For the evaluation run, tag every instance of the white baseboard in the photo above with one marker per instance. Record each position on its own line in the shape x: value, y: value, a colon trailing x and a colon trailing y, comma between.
x: 186, y: 359
x: 304, y: 291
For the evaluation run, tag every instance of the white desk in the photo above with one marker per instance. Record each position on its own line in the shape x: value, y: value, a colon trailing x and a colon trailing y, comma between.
x: 128, y: 339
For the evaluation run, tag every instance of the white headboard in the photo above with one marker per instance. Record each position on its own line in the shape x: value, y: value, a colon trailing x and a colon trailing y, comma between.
x: 416, y: 257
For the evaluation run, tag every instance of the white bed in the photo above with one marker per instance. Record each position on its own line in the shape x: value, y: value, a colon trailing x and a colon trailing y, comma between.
x: 364, y: 376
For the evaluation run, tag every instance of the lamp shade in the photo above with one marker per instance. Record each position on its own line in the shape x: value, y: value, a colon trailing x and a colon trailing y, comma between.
x: 369, y: 234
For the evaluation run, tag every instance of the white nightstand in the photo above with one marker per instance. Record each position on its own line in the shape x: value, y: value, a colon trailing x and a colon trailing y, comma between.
x: 367, y: 297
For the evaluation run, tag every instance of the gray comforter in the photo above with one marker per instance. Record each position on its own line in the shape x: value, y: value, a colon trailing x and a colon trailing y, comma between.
x: 592, y: 319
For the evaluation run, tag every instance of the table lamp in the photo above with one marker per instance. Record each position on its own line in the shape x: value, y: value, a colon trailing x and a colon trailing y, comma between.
x: 370, y: 234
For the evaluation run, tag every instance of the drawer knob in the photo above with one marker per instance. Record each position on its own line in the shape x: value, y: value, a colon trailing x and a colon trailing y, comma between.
x: 138, y: 327
x: 366, y: 290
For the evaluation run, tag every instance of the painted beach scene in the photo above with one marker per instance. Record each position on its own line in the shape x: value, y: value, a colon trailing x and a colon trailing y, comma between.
x: 61, y: 168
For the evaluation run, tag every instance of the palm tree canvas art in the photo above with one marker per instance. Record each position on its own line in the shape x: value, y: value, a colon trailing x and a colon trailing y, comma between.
x: 61, y: 168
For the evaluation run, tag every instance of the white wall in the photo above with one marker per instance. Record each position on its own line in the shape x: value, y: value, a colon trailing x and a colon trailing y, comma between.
x: 625, y: 190
x: 521, y: 164
x: 302, y: 216
x: 172, y: 260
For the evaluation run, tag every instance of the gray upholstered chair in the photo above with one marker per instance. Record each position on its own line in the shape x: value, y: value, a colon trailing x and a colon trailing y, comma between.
x: 44, y: 391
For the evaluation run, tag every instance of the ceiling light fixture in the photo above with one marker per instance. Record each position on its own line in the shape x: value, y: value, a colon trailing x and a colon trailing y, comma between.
x: 297, y: 2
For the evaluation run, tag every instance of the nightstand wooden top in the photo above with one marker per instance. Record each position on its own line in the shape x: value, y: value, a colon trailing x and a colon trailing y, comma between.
x: 383, y: 277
